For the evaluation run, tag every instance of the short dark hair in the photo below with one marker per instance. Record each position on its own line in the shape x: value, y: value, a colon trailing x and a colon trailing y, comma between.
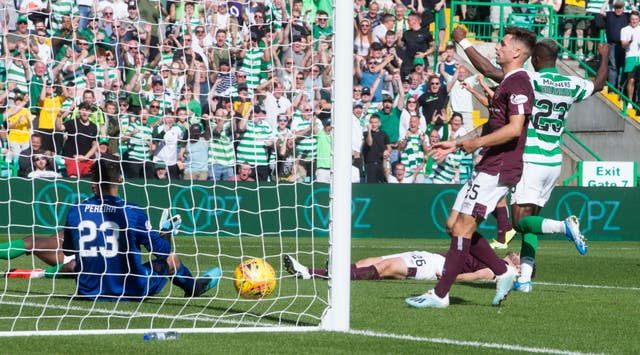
x: 85, y: 105
x: 106, y: 170
x: 522, y: 35
x: 547, y: 48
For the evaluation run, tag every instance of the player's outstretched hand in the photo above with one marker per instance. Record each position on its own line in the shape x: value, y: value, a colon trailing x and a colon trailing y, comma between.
x: 440, y: 150
x: 459, y: 34
x: 169, y: 225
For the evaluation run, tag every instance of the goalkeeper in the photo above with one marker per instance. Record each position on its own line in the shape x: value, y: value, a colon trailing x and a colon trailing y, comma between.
x: 102, y: 240
x: 49, y: 250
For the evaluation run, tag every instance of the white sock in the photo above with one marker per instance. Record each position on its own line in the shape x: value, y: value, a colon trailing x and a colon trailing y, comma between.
x: 526, y: 269
x: 551, y: 226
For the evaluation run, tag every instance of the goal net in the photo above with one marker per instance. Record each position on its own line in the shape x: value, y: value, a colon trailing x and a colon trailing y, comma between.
x: 232, y: 114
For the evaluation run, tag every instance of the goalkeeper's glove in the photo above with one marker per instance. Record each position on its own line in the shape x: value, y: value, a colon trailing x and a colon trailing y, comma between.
x: 169, y: 225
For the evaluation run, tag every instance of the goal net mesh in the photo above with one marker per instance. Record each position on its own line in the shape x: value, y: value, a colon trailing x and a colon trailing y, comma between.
x: 229, y: 75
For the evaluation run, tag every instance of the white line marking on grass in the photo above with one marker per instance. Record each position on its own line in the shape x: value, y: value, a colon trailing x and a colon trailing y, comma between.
x: 464, y: 343
x: 114, y: 312
x: 590, y: 286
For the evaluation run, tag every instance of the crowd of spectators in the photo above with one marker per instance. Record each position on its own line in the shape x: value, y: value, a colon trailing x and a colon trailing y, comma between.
x: 227, y: 90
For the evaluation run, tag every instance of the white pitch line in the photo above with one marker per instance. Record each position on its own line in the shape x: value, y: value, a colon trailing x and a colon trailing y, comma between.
x: 288, y: 329
x: 131, y: 314
x: 623, y: 288
x: 465, y: 343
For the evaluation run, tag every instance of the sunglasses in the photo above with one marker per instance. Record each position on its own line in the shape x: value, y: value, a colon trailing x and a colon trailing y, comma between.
x: 154, y: 106
x: 199, y: 31
x: 283, y: 120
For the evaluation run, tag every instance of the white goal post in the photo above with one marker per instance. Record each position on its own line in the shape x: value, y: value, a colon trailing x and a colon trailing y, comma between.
x: 223, y: 224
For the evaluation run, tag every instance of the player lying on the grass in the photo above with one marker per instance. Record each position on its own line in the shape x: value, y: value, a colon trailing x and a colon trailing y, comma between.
x: 49, y: 250
x: 419, y: 265
x: 554, y: 94
x: 104, y: 234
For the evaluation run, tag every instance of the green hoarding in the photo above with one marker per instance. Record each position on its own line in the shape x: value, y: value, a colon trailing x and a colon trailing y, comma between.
x: 390, y: 211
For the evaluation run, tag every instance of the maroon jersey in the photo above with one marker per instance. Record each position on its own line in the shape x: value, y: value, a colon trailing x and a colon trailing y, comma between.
x: 514, y: 96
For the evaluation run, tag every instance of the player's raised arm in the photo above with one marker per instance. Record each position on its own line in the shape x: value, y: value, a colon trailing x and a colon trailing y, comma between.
x: 480, y: 62
x: 603, y: 69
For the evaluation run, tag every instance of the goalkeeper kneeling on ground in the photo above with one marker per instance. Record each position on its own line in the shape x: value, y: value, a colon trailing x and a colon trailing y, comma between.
x: 102, y: 239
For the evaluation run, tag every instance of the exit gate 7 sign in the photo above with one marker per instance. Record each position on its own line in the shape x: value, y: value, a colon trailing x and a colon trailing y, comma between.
x: 608, y: 173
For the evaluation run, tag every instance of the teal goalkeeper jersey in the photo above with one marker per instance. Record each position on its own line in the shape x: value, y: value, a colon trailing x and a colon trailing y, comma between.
x: 554, y: 95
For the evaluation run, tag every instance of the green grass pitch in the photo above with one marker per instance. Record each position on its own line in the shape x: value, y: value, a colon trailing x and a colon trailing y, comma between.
x: 580, y: 304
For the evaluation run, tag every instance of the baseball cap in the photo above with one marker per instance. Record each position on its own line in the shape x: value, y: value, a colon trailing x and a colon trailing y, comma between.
x: 156, y: 79
x: 418, y: 61
x: 387, y: 98
x: 258, y: 109
x: 103, y: 141
x: 357, y: 104
x: 23, y: 19
x: 376, y: 46
x: 365, y: 91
